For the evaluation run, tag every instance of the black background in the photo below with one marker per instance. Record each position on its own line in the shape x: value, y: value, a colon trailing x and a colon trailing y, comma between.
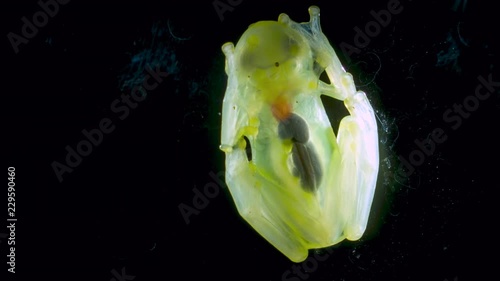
x: 119, y: 208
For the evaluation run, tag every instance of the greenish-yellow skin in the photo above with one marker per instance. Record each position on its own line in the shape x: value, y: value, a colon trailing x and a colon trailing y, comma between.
x: 273, y: 72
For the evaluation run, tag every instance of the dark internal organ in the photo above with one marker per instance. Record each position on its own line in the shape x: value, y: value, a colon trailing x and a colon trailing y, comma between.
x: 305, y: 160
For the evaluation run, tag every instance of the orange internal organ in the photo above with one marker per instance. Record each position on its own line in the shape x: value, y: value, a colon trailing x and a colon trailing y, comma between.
x: 281, y: 108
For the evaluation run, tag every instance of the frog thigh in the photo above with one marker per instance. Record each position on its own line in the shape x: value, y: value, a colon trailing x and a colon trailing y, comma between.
x: 358, y: 143
x: 245, y: 185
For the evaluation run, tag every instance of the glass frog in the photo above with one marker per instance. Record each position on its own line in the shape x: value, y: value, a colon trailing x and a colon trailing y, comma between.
x: 295, y: 182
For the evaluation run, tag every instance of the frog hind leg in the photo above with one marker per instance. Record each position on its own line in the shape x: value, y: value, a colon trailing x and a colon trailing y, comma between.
x: 245, y: 184
x: 357, y: 137
x: 358, y: 144
x: 357, y: 141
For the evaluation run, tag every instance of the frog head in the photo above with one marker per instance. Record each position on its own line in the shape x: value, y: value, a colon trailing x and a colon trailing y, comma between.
x: 271, y: 53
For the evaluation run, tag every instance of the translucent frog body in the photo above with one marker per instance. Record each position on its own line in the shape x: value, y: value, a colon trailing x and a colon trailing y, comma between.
x: 291, y: 178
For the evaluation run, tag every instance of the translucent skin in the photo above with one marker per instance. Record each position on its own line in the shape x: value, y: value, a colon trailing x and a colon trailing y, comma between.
x: 304, y: 187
